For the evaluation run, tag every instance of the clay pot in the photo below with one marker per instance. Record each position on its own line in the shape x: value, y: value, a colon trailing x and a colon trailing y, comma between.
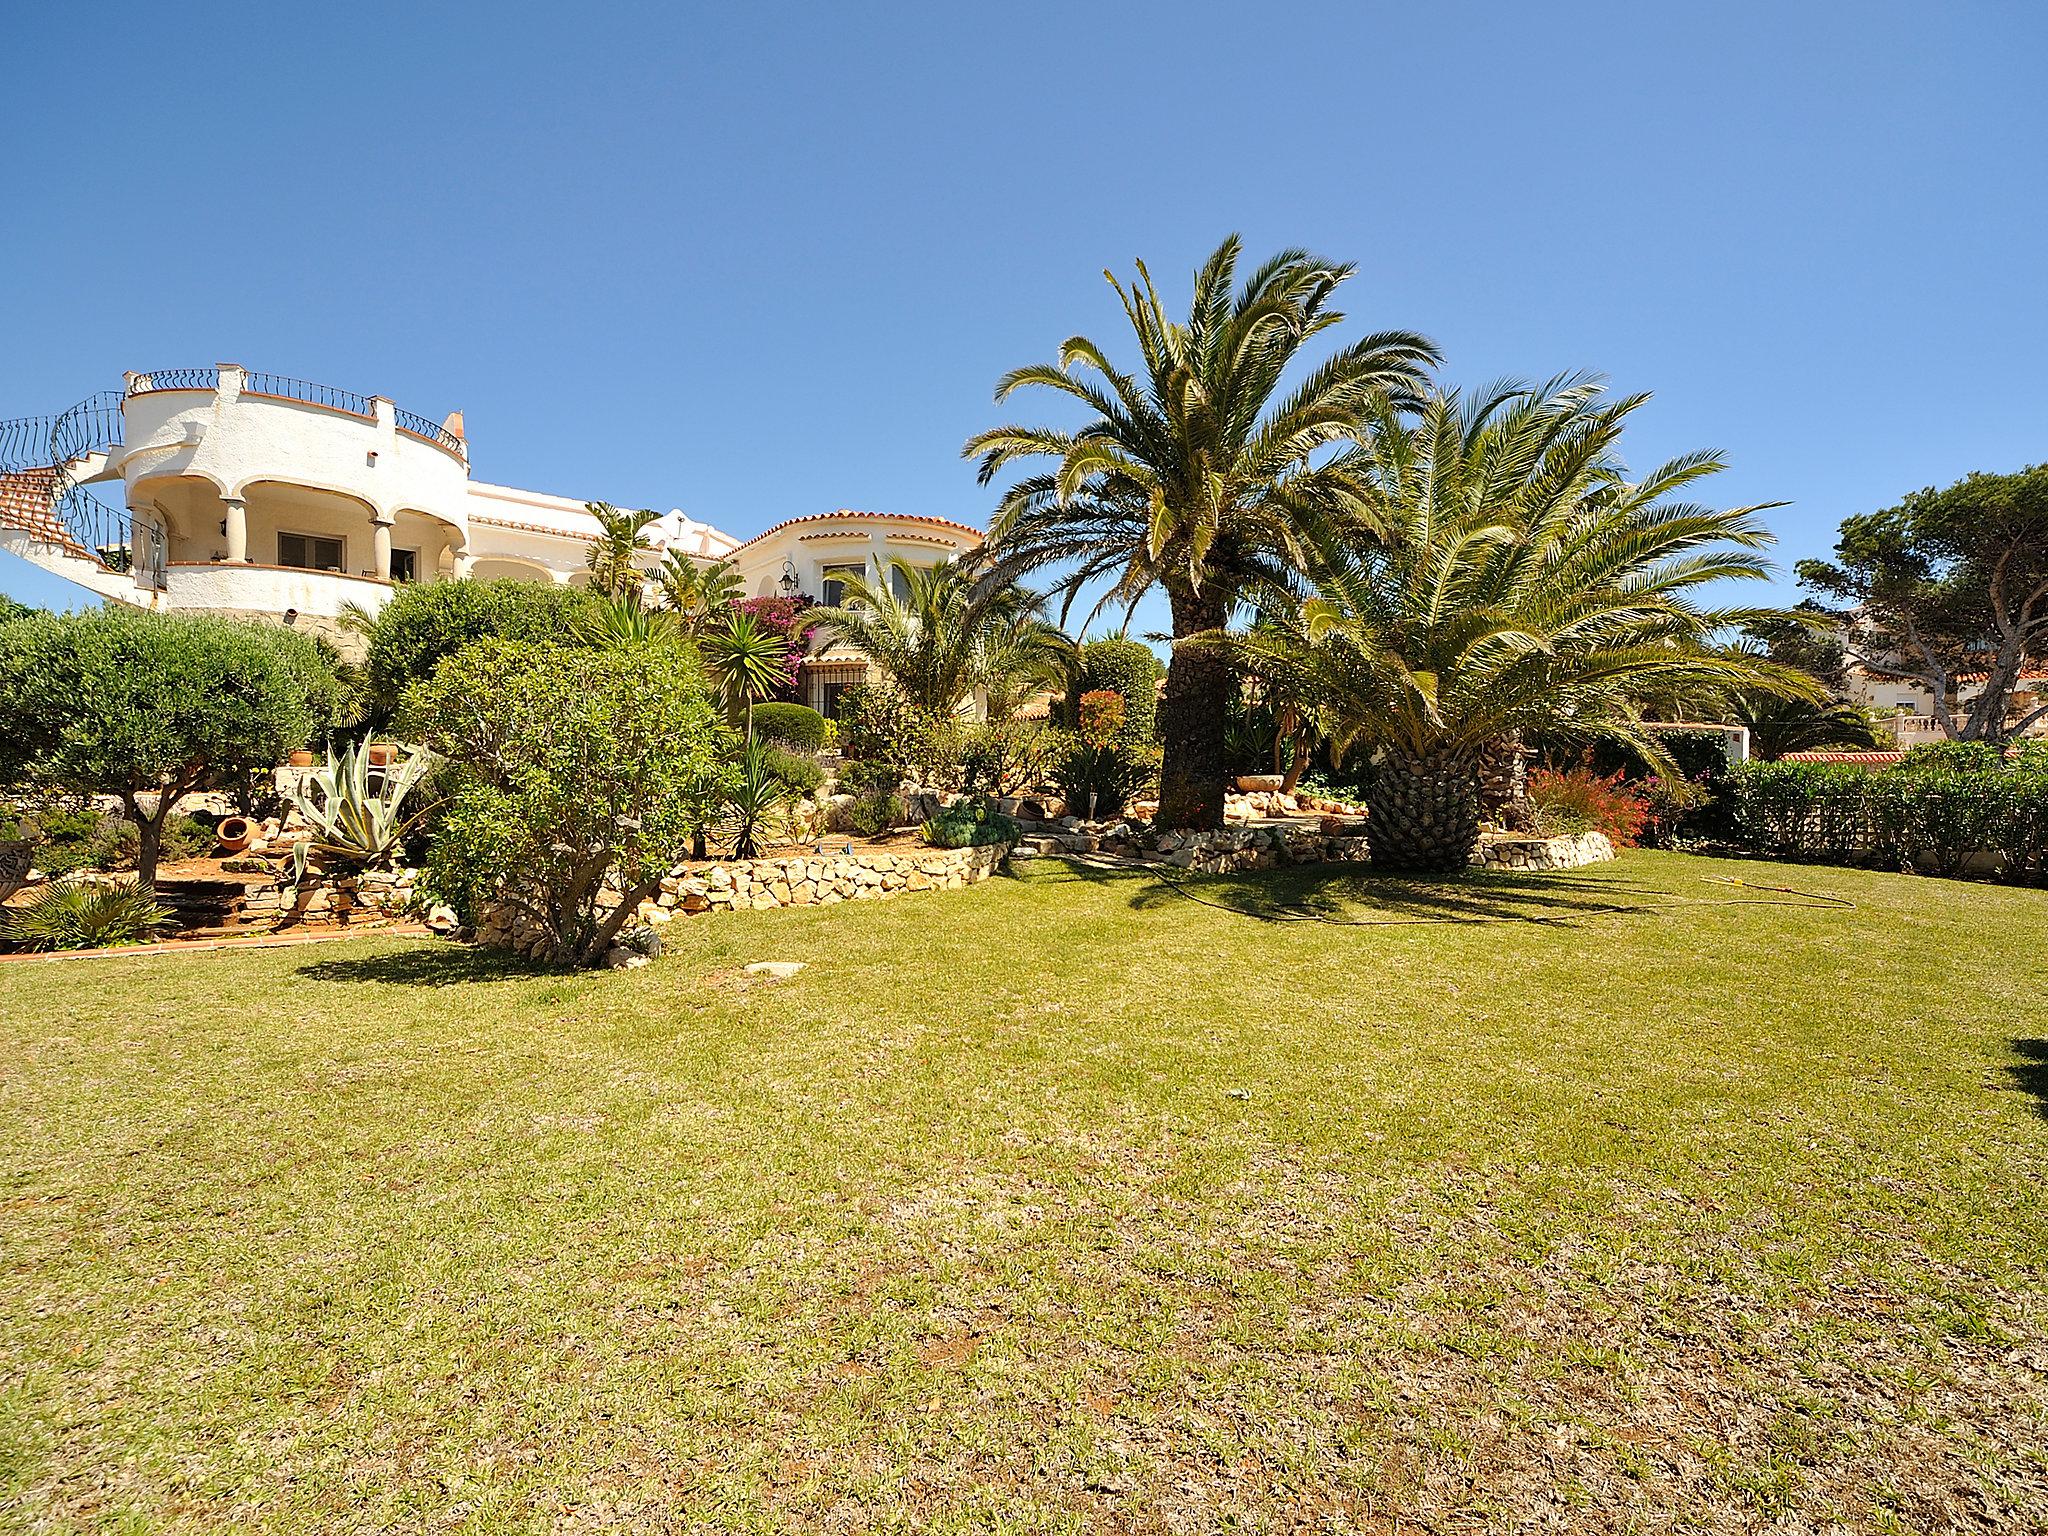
x: 381, y: 754
x: 301, y: 759
x: 1260, y: 783
x: 235, y: 833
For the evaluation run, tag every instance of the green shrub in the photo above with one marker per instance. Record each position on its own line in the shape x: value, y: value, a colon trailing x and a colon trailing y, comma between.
x: 79, y: 914
x: 1116, y: 774
x: 1129, y: 668
x: 427, y: 622
x: 875, y: 812
x: 570, y: 772
x: 187, y: 837
x: 878, y: 722
x: 1922, y: 814
x: 970, y: 824
x: 859, y: 776
x: 798, y: 774
x: 1008, y: 757
x: 795, y: 726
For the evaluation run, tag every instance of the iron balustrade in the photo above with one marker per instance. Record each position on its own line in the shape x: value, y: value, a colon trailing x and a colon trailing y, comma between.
x: 74, y: 516
x: 433, y: 432
x: 306, y: 392
x: 174, y: 378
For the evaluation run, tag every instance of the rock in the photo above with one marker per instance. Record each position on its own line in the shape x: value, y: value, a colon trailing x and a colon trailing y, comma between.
x: 620, y: 958
x: 442, y: 919
x: 775, y: 970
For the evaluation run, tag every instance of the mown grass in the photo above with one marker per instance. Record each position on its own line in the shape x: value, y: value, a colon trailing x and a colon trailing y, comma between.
x: 1626, y: 1200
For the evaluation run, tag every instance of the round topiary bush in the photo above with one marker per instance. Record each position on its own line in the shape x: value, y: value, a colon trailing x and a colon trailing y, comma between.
x: 796, y: 726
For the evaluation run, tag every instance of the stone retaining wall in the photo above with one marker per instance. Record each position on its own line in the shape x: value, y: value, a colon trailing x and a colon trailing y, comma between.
x: 333, y: 901
x: 793, y: 880
x: 1332, y: 840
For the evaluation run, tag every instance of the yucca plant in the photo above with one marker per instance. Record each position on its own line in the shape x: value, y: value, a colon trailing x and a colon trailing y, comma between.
x: 757, y: 803
x: 85, y: 914
x: 748, y: 661
x: 614, y: 559
x: 1508, y: 577
x: 350, y: 822
x: 611, y: 621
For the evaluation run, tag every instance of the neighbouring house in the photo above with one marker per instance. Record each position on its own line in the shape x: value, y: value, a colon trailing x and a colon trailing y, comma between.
x: 1906, y: 707
x: 227, y: 491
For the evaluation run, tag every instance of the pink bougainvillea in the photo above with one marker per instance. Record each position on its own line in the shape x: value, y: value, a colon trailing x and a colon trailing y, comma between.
x: 790, y: 618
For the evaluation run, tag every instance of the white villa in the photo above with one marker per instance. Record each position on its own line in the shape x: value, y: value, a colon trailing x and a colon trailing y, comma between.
x: 252, y: 494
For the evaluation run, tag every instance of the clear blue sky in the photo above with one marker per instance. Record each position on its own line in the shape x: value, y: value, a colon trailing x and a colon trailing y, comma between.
x: 756, y: 262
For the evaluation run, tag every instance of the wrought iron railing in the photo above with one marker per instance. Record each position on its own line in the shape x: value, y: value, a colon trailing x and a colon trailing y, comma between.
x: 306, y: 392
x: 419, y: 426
x: 73, y: 517
x: 174, y: 378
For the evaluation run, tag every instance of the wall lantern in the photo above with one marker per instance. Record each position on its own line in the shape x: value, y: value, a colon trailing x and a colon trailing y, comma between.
x: 789, y: 582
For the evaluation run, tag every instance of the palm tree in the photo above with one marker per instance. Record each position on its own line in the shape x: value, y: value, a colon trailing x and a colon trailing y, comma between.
x: 697, y: 592
x: 748, y: 661
x: 940, y: 632
x: 614, y: 558
x: 1779, y: 725
x: 1197, y: 476
x: 1516, y: 581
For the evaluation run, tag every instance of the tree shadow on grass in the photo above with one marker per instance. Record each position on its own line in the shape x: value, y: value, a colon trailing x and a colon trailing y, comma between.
x: 428, y: 965
x: 2030, y: 1073
x: 1353, y: 897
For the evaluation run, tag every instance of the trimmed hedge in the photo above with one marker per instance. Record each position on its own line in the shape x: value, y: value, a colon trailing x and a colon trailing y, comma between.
x: 1925, y: 815
x: 1128, y: 668
x: 796, y: 726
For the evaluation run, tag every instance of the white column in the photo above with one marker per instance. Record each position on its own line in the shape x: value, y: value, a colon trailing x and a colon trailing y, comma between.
x: 238, y: 529
x: 380, y: 545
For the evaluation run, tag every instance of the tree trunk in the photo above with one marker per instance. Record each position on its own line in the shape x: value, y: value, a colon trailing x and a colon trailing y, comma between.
x: 1423, y: 812
x: 1504, y: 783
x: 1198, y: 684
x: 1296, y: 763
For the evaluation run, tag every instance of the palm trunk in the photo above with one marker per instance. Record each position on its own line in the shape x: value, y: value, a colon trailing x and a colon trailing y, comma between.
x: 1198, y: 683
x: 1423, y: 812
x: 1504, y: 783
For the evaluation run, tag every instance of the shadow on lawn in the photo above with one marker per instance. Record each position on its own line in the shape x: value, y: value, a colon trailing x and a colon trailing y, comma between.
x: 1356, y: 898
x: 427, y: 965
x: 2031, y: 1073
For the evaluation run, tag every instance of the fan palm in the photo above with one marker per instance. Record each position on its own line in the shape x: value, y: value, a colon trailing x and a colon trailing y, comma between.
x: 697, y: 592
x: 621, y: 540
x: 1516, y: 580
x: 940, y: 632
x: 1197, y: 476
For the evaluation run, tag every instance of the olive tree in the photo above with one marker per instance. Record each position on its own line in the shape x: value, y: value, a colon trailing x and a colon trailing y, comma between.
x: 576, y: 780
x: 150, y: 707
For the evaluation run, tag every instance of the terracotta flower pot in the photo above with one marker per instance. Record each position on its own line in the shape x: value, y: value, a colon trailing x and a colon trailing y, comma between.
x: 235, y: 833
x: 1260, y: 783
x: 301, y: 759
x: 381, y: 754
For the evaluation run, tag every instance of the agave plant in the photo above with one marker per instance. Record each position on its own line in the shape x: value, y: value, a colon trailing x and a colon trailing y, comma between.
x: 85, y: 914
x: 351, y: 822
x: 613, y: 621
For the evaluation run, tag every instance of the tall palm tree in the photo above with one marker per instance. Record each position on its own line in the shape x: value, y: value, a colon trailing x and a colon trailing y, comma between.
x: 621, y: 540
x: 1516, y: 580
x: 1197, y: 475
x: 941, y: 632
x: 696, y: 592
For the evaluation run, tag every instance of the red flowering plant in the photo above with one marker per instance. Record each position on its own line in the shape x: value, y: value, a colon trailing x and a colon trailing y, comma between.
x: 790, y: 618
x: 1580, y: 800
x: 1102, y: 716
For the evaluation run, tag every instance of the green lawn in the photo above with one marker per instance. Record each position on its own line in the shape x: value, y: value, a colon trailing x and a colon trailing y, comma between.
x: 1069, y: 1201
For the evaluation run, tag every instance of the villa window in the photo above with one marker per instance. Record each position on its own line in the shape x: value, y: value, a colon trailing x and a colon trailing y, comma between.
x: 405, y: 565
x: 899, y: 583
x: 834, y: 582
x: 307, y: 552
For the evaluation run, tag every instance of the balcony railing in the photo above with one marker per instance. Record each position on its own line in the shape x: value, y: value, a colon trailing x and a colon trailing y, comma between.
x: 174, y: 378
x: 433, y: 432
x: 307, y: 393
